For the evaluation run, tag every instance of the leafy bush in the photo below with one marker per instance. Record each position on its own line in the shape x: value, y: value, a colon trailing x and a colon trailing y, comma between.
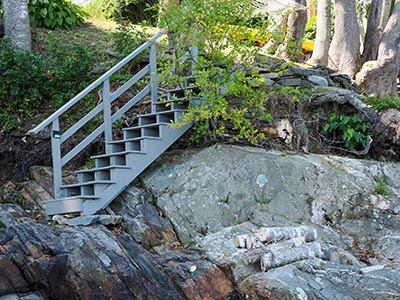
x: 136, y: 11
x: 31, y: 83
x: 22, y: 77
x: 55, y: 14
x: 223, y: 71
x: 352, y: 129
x: 381, y: 187
x: 311, y: 29
x: 391, y: 101
x: 127, y: 38
x: 68, y: 68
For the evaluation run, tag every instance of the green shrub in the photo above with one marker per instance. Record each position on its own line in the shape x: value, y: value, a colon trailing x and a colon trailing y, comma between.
x: 136, y: 11
x: 21, y: 93
x: 352, y: 129
x: 391, y: 101
x: 31, y: 83
x: 223, y: 71
x: 68, y: 68
x: 53, y: 14
x: 381, y: 187
x: 127, y: 38
x: 311, y: 29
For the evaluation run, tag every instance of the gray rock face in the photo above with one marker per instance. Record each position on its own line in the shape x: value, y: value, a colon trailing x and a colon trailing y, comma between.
x: 316, y: 279
x: 213, y: 194
x: 205, y: 191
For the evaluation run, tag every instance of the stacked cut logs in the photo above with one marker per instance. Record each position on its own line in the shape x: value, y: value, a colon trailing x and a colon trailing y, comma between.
x: 278, y: 246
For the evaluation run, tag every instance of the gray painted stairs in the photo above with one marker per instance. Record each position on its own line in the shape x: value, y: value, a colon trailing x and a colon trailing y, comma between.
x: 96, y: 188
x: 123, y: 159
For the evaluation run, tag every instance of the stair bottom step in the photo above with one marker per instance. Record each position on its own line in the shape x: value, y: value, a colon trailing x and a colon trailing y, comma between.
x: 63, y: 206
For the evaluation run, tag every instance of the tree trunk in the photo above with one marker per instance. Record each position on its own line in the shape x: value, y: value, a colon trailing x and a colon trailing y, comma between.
x: 16, y: 23
x: 377, y: 20
x: 321, y: 45
x: 343, y: 52
x: 296, y: 26
x: 379, y: 78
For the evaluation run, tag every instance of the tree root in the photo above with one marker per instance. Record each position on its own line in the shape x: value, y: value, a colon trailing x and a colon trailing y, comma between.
x: 346, y: 98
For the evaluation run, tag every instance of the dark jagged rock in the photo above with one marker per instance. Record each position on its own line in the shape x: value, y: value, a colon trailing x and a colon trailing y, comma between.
x: 81, y: 263
x: 197, y: 277
x: 96, y: 262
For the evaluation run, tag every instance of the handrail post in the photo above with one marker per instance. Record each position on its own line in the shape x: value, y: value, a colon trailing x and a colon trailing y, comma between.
x: 56, y: 157
x: 153, y: 76
x: 107, y: 114
x: 194, y: 50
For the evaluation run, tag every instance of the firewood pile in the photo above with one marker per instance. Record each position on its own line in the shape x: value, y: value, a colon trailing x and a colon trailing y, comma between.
x: 277, y: 246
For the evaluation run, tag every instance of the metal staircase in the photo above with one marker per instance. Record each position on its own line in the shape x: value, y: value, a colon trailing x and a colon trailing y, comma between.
x: 126, y: 158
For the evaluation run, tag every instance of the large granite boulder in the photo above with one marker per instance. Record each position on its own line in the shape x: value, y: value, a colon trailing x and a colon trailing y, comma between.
x: 214, y: 194
x: 206, y: 190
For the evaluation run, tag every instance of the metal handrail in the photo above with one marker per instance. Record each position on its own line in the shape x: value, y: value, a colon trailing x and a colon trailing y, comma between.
x: 109, y: 117
x: 58, y: 137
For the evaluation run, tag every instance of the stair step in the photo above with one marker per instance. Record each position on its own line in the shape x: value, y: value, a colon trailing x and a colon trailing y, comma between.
x: 145, y: 126
x: 161, y: 113
x: 102, y: 169
x: 122, y: 153
x: 134, y: 139
x: 64, y: 206
x: 167, y: 116
x: 79, y: 184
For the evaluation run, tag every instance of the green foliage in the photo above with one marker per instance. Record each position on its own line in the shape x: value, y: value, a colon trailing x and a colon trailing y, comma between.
x: 295, y: 94
x: 352, y: 129
x: 32, y: 83
x: 136, y: 11
x: 222, y: 72
x: 127, y: 38
x: 68, y: 68
x: 54, y: 14
x: 391, y: 101
x: 22, y: 75
x: 381, y: 188
x: 311, y: 29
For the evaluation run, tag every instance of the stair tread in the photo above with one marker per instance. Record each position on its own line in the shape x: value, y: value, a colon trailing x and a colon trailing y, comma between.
x: 135, y: 139
x: 78, y: 184
x: 118, y: 153
x: 165, y: 112
x: 179, y: 89
x: 75, y: 197
x: 102, y: 169
x: 165, y: 100
x: 147, y: 125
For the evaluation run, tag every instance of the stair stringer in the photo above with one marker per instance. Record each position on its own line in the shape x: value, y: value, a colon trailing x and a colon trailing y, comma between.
x: 138, y: 163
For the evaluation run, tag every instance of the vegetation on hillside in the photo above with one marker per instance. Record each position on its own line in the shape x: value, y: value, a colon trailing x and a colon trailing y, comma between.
x: 239, y: 105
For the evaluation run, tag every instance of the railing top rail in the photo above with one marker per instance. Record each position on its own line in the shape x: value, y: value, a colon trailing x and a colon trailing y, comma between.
x: 94, y: 84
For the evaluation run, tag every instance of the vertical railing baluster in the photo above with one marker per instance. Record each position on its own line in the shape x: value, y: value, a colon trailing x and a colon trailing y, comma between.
x: 107, y: 114
x: 153, y: 76
x: 56, y: 157
x: 194, y: 50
